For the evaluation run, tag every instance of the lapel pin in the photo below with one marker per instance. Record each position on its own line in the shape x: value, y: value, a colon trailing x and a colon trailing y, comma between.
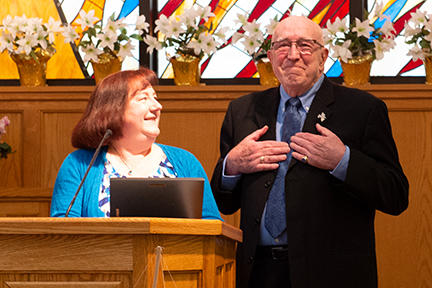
x: 322, y: 116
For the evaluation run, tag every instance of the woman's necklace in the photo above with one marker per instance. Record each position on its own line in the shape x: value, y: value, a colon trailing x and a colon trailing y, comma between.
x: 121, y: 158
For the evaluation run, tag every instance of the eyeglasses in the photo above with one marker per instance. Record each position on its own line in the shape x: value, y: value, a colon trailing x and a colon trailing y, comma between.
x: 304, y: 46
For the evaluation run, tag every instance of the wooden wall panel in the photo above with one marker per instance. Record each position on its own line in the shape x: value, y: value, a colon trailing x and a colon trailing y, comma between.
x: 403, y: 258
x: 193, y: 131
x: 11, y: 168
x: 24, y: 208
x: 56, y: 131
x: 48, y: 252
x: 72, y: 280
x: 42, y: 119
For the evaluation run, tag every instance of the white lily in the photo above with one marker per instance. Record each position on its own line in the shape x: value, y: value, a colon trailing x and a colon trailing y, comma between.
x: 421, y: 33
x: 242, y: 19
x: 125, y: 50
x: 53, y: 28
x: 328, y: 36
x: 337, y: 26
x: 187, y: 34
x: 113, y: 26
x: 13, y: 27
x: 253, y: 29
x: 363, y: 28
x: 211, y: 45
x: 174, y: 29
x: 91, y: 53
x: 380, y: 48
x: 189, y: 18
x: 141, y: 24
x: 254, y: 39
x: 377, y: 12
x: 409, y: 31
x: 205, y: 13
x: 416, y: 53
x: 342, y: 51
x: 152, y: 43
x: 6, y: 42
x: 32, y: 25
x: 40, y: 36
x: 200, y: 43
x: 221, y: 34
x: 107, y: 39
x: 418, y: 17
x: 7, y: 21
x: 70, y: 34
x: 87, y: 20
x: 251, y: 44
x: 270, y: 27
x: 387, y: 29
x: 27, y: 43
x: 236, y: 37
x: 162, y: 24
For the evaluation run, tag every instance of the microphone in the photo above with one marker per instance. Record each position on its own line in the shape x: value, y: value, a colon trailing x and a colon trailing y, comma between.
x: 108, y: 133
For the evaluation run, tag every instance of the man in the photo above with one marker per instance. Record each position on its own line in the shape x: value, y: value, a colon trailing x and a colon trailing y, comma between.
x: 344, y: 167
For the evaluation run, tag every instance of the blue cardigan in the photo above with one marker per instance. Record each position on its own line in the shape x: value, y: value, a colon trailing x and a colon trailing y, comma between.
x: 86, y: 204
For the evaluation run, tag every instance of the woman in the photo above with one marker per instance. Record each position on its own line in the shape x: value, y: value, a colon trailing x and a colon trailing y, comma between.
x: 126, y: 103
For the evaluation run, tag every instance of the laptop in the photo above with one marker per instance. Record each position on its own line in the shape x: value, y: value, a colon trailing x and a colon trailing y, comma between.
x: 156, y: 197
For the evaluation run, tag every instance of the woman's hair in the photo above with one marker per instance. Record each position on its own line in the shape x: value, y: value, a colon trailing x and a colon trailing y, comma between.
x: 106, y: 106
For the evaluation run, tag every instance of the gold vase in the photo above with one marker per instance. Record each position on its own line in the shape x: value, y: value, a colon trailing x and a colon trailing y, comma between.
x: 108, y: 64
x: 428, y: 67
x: 32, y: 72
x: 265, y: 71
x: 357, y: 70
x: 186, y: 70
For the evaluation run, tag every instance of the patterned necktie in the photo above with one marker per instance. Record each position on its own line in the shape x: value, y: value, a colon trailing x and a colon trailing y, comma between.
x: 275, y: 218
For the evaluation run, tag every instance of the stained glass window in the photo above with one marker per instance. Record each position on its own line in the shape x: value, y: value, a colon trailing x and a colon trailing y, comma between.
x: 232, y: 61
x: 397, y: 62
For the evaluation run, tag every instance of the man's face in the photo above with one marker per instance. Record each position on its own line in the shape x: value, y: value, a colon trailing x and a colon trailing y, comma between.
x: 297, y: 56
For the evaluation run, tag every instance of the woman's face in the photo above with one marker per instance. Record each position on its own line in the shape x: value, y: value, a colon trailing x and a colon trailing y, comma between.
x: 142, y: 115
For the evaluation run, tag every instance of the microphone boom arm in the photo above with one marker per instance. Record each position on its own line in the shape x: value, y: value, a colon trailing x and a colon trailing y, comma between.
x: 107, y: 134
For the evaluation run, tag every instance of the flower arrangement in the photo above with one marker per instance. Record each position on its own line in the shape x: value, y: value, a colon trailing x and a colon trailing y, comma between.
x: 112, y: 39
x: 418, y: 32
x: 186, y: 35
x: 5, y: 149
x: 28, y: 35
x: 361, y: 38
x: 256, y: 42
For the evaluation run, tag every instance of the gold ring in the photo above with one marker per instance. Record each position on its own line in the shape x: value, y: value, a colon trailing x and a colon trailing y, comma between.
x: 305, y: 159
x: 262, y: 159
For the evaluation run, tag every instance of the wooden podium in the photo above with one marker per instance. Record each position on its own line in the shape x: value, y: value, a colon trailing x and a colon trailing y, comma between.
x: 116, y: 252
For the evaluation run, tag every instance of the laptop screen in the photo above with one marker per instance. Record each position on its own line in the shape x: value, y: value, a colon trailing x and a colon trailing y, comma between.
x: 156, y: 197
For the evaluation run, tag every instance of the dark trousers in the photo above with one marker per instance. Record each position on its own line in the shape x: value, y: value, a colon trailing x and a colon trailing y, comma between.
x: 269, y: 269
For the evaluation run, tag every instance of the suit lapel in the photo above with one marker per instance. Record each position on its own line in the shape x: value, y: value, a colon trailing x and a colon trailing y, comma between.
x: 319, y: 111
x: 266, y: 112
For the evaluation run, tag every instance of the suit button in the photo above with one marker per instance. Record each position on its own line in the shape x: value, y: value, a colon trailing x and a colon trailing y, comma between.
x: 250, y: 260
x: 267, y: 184
x: 257, y: 221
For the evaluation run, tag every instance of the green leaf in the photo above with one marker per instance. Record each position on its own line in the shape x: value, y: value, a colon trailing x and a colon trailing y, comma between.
x: 425, y: 44
x: 136, y: 36
x: 33, y: 55
x: 112, y: 17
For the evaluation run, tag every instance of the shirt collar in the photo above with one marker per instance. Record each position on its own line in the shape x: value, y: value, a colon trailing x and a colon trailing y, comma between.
x: 305, y: 99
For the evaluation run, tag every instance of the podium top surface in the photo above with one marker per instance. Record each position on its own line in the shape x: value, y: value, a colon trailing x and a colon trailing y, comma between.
x: 46, y: 225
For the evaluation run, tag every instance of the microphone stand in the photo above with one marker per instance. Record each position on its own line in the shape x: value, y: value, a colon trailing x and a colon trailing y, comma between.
x: 107, y: 134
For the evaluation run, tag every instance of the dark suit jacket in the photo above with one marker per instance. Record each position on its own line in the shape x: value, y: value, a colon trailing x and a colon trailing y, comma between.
x: 330, y: 223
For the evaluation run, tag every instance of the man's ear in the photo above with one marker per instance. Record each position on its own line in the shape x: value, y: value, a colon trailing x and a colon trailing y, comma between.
x: 270, y: 55
x: 324, y: 55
